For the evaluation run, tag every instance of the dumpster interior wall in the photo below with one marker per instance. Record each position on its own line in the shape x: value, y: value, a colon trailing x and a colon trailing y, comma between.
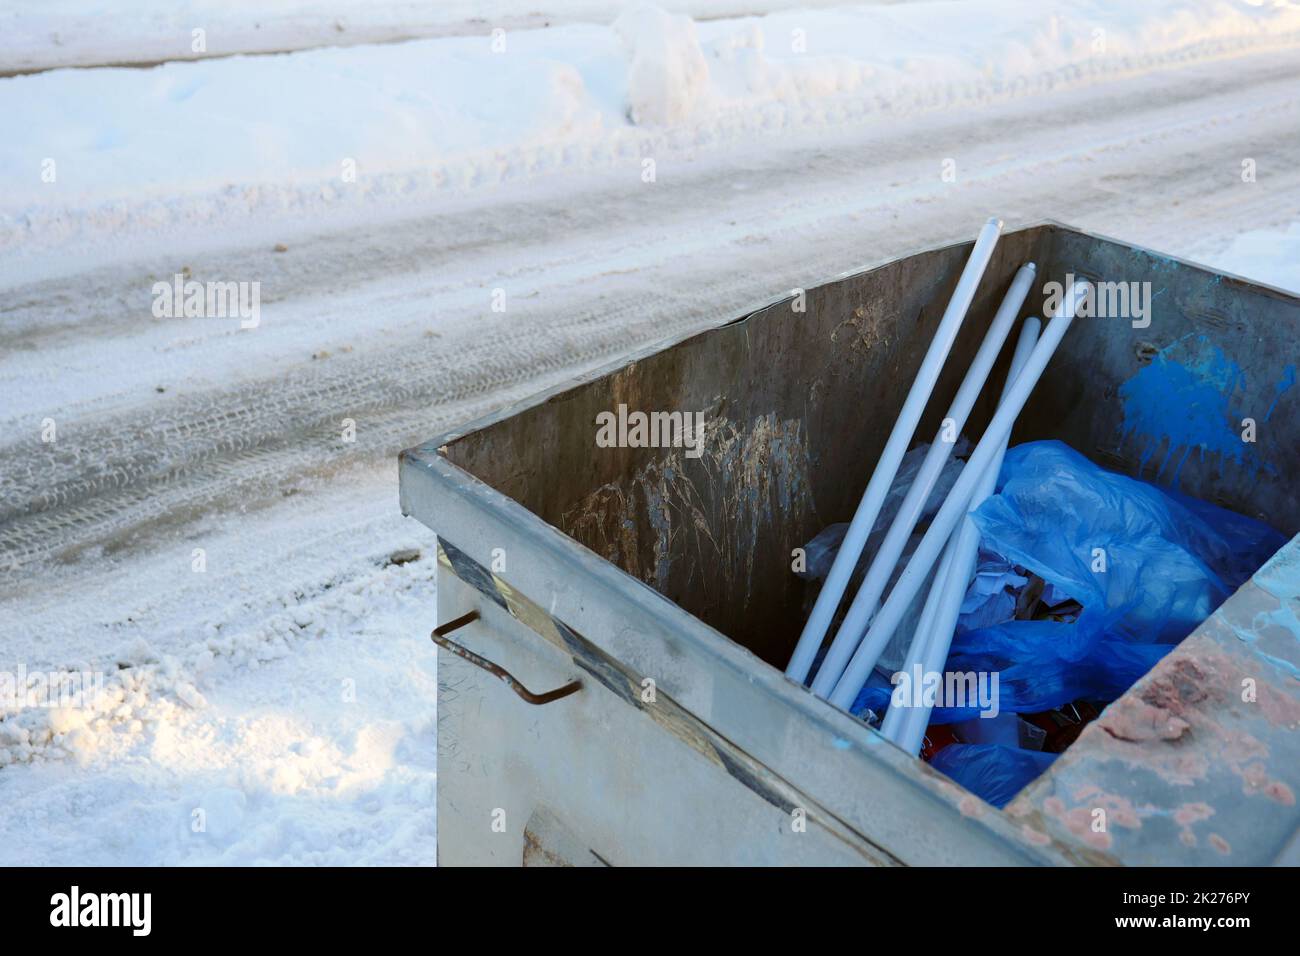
x: 799, y: 397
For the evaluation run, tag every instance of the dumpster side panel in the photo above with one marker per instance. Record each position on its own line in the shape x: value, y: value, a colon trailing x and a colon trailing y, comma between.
x: 898, y: 804
x: 589, y: 779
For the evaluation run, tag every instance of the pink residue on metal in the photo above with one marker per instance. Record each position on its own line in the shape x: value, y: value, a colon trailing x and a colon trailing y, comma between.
x: 1136, y: 721
x: 1036, y: 837
x: 1084, y: 821
x: 1278, y: 707
x: 1190, y: 813
x: 1183, y: 701
x: 1256, y: 780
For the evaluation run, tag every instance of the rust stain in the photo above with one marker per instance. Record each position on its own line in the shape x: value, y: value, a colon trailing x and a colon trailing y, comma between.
x: 1173, y: 724
x: 535, y: 854
x: 1082, y: 819
x: 1135, y: 721
x: 1078, y: 821
x: 1277, y: 707
x: 1255, y: 779
x: 1189, y: 723
x: 1035, y: 829
x: 1189, y: 813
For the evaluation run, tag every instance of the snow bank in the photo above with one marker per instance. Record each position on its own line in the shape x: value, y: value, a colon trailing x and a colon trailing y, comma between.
x: 60, y: 33
x: 218, y: 142
x: 668, y: 74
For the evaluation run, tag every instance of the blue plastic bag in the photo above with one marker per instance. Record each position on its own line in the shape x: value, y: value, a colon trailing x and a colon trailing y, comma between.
x: 1146, y: 565
x: 1042, y: 665
x: 994, y: 772
x: 1039, y: 665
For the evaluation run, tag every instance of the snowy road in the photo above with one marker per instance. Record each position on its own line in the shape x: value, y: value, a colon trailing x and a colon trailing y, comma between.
x: 391, y: 325
x: 184, y: 434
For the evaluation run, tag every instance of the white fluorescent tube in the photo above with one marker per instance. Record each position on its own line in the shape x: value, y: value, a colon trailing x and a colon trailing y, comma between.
x: 864, y: 519
x: 913, y: 576
x: 930, y: 647
x: 909, y: 512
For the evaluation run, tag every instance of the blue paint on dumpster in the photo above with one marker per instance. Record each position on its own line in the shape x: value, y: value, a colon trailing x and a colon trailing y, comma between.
x: 1193, y: 396
x: 1200, y: 390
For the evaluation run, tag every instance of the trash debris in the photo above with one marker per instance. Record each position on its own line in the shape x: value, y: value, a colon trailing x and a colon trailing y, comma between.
x: 1006, y: 729
x: 928, y: 649
x: 845, y: 651
x: 1061, y: 727
x: 991, y: 598
x: 1145, y: 564
x: 1085, y: 579
x: 935, y: 739
x: 1042, y: 665
x: 993, y: 772
x: 950, y: 532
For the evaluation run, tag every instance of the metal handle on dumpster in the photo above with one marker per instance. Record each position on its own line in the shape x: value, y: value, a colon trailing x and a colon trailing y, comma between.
x: 440, y: 638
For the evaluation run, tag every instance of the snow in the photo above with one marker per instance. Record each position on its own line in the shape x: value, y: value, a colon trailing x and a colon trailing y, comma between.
x: 279, y: 705
x: 118, y: 152
x: 1265, y: 255
x: 313, y: 740
x: 667, y: 72
x: 57, y: 33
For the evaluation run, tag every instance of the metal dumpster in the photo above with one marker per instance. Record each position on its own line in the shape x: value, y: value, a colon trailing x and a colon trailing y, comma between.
x: 660, y: 580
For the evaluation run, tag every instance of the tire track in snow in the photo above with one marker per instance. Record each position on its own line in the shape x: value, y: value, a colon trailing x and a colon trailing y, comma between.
x: 624, y: 271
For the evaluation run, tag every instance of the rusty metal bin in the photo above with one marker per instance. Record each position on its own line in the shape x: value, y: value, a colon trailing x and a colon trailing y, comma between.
x: 661, y: 583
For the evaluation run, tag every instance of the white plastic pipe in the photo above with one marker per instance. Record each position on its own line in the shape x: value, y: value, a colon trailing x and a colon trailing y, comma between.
x: 925, y: 624
x: 927, y: 552
x: 906, y: 725
x: 909, y: 512
x: 864, y: 519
